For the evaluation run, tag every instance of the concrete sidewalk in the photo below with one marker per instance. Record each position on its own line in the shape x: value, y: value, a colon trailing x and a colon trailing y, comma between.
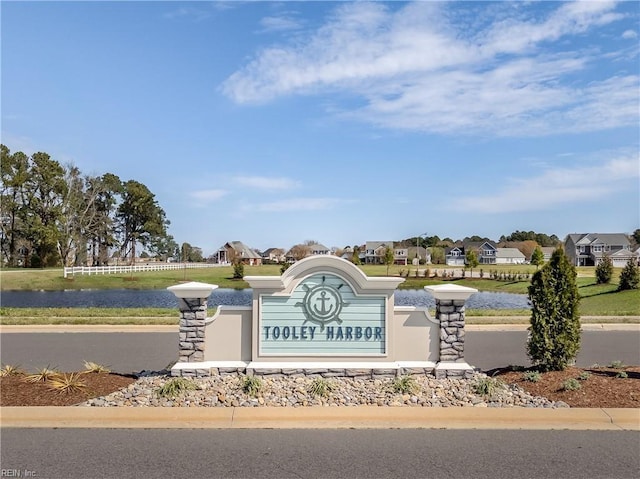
x: 361, y: 417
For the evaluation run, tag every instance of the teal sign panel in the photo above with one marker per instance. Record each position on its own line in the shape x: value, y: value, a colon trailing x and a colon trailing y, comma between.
x: 323, y: 316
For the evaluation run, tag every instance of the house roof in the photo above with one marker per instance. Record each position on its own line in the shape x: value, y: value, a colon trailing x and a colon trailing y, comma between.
x: 242, y: 250
x: 374, y: 245
x: 617, y: 239
x: 509, y: 253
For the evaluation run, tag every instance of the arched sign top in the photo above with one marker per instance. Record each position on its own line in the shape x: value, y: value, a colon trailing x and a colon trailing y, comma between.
x: 324, y: 263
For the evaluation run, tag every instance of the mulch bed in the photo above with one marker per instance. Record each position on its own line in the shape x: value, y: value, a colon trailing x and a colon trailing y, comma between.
x: 603, y: 387
x: 15, y: 391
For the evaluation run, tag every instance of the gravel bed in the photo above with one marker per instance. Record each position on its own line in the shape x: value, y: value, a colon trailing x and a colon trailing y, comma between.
x: 291, y: 391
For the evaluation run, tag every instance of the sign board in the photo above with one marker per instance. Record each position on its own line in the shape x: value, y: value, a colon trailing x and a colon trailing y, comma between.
x: 323, y: 316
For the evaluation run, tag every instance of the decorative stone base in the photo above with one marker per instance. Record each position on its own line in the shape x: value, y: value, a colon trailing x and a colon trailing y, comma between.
x: 373, y: 370
x: 445, y: 369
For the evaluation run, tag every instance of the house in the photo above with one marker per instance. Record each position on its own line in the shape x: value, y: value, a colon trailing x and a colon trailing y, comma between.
x: 486, y: 251
x: 273, y: 255
x: 301, y: 251
x: 455, y: 256
x: 509, y: 256
x: 317, y: 248
x: 374, y: 251
x: 237, y: 251
x: 588, y: 249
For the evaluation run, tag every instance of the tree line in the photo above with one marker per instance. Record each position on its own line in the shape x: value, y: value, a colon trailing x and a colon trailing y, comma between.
x: 52, y: 214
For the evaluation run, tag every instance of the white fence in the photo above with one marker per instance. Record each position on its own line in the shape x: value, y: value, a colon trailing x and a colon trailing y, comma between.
x: 135, y: 268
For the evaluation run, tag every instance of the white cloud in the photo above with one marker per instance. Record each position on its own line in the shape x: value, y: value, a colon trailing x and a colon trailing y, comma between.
x: 629, y: 34
x: 555, y: 187
x: 279, y: 23
x: 297, y: 204
x: 205, y: 197
x: 196, y: 14
x: 434, y: 67
x: 267, y: 183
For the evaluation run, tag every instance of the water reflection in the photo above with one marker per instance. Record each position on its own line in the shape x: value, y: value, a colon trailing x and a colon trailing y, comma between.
x: 130, y: 298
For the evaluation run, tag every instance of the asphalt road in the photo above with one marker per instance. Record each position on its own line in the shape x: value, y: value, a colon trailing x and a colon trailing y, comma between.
x: 134, y: 352
x: 327, y: 454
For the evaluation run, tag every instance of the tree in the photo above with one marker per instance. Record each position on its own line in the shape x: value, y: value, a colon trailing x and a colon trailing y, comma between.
x: 636, y: 236
x: 141, y: 218
x: 388, y: 258
x: 604, y: 270
x: 42, y: 201
x: 629, y: 276
x: 14, y: 172
x: 554, y: 334
x: 437, y: 255
x: 537, y: 257
x: 355, y: 257
x: 471, y: 258
x: 300, y: 251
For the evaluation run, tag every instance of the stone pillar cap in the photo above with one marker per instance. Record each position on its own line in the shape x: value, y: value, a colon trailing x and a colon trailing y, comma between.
x: 450, y: 291
x: 192, y: 289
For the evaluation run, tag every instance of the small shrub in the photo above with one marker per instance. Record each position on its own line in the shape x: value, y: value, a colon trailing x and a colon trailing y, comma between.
x: 584, y: 375
x: 43, y: 375
x: 90, y: 367
x: 251, y: 385
x: 604, y: 270
x: 238, y: 270
x: 532, y: 376
x: 176, y: 386
x: 320, y: 387
x: 617, y: 364
x: 622, y: 375
x: 571, y: 385
x: 9, y: 370
x: 67, y: 383
x: 486, y: 386
x: 404, y: 385
x: 629, y: 276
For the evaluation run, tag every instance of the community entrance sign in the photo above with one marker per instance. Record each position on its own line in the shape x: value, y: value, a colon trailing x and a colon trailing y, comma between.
x: 323, y: 315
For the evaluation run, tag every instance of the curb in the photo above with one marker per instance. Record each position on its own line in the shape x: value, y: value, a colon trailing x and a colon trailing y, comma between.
x: 361, y: 417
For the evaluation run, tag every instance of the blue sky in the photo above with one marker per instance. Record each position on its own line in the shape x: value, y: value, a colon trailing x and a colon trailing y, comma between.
x: 274, y: 123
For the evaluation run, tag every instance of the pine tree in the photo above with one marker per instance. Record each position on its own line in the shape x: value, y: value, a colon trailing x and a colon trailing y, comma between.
x: 604, y: 270
x: 554, y: 334
x: 537, y: 257
x: 629, y: 277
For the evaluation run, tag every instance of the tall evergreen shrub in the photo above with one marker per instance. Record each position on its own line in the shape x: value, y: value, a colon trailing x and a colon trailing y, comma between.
x: 629, y: 276
x: 604, y: 270
x: 554, y: 334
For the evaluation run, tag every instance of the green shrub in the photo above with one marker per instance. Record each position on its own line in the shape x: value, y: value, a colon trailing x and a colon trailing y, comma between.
x: 251, y: 385
x: 617, y: 364
x: 238, y: 270
x: 604, y: 270
x: 584, y: 375
x: 320, y: 387
x: 175, y: 387
x: 571, y: 385
x: 404, y: 385
x: 486, y: 386
x: 622, y: 375
x: 532, y: 376
x: 554, y: 334
x: 629, y: 277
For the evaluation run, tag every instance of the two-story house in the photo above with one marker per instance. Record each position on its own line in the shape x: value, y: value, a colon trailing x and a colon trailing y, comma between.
x: 588, y: 249
x: 374, y: 251
x: 237, y: 251
x: 455, y: 256
x: 273, y: 255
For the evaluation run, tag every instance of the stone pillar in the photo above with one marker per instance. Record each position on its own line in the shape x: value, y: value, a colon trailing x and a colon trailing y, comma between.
x: 450, y: 307
x: 192, y: 299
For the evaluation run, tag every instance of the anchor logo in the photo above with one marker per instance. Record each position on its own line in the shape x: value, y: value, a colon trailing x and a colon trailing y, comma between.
x: 322, y: 304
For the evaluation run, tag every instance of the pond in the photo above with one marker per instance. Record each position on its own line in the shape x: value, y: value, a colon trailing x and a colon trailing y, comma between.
x: 160, y: 298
